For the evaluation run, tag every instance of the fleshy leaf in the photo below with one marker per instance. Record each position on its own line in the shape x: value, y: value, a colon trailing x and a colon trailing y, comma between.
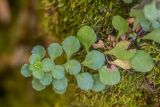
x: 87, y: 36
x: 150, y: 11
x: 142, y: 61
x: 60, y: 84
x: 121, y: 52
x: 155, y: 24
x: 37, y: 85
x: 73, y: 67
x: 37, y: 70
x: 154, y: 35
x: 98, y: 85
x: 120, y: 24
x: 34, y: 58
x: 109, y: 76
x: 140, y: 18
x: 59, y: 91
x: 47, y: 64
x: 84, y: 81
x: 39, y: 50
x: 158, y: 13
x: 58, y: 72
x: 54, y: 50
x: 38, y: 74
x: 47, y: 79
x: 25, y: 71
x: 94, y: 60
x: 70, y: 45
x: 37, y: 66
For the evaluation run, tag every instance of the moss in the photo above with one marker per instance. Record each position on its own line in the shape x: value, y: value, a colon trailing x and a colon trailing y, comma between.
x: 63, y: 17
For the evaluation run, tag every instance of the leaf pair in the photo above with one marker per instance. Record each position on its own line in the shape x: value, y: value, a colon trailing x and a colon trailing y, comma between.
x: 139, y: 60
x: 40, y: 83
x: 73, y: 67
x: 146, y: 17
x: 60, y: 85
x: 70, y: 45
x: 58, y: 72
x: 140, y: 19
x: 60, y: 82
x: 94, y: 60
x: 88, y: 82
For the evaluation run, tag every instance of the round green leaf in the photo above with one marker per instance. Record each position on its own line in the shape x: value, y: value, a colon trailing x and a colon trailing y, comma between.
x: 87, y: 36
x: 47, y: 65
x: 73, y: 67
x: 121, y: 52
x: 47, y: 79
x: 150, y: 11
x: 37, y: 70
x: 140, y: 19
x: 94, y: 60
x: 109, y: 76
x: 84, y: 81
x: 38, y: 74
x: 120, y: 24
x: 98, y: 85
x: 70, y: 45
x: 60, y: 84
x: 58, y: 72
x: 142, y: 61
x: 145, y: 24
x: 25, y: 71
x: 59, y: 91
x: 37, y: 85
x: 155, y: 24
x: 34, y: 58
x: 54, y: 50
x: 154, y: 35
x: 39, y: 50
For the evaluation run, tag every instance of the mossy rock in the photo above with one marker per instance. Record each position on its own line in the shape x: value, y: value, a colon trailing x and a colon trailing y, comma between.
x: 64, y: 17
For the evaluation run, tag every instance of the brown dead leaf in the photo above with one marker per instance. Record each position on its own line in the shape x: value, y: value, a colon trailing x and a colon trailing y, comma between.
x: 131, y: 20
x: 138, y: 29
x: 121, y: 63
x: 100, y: 44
